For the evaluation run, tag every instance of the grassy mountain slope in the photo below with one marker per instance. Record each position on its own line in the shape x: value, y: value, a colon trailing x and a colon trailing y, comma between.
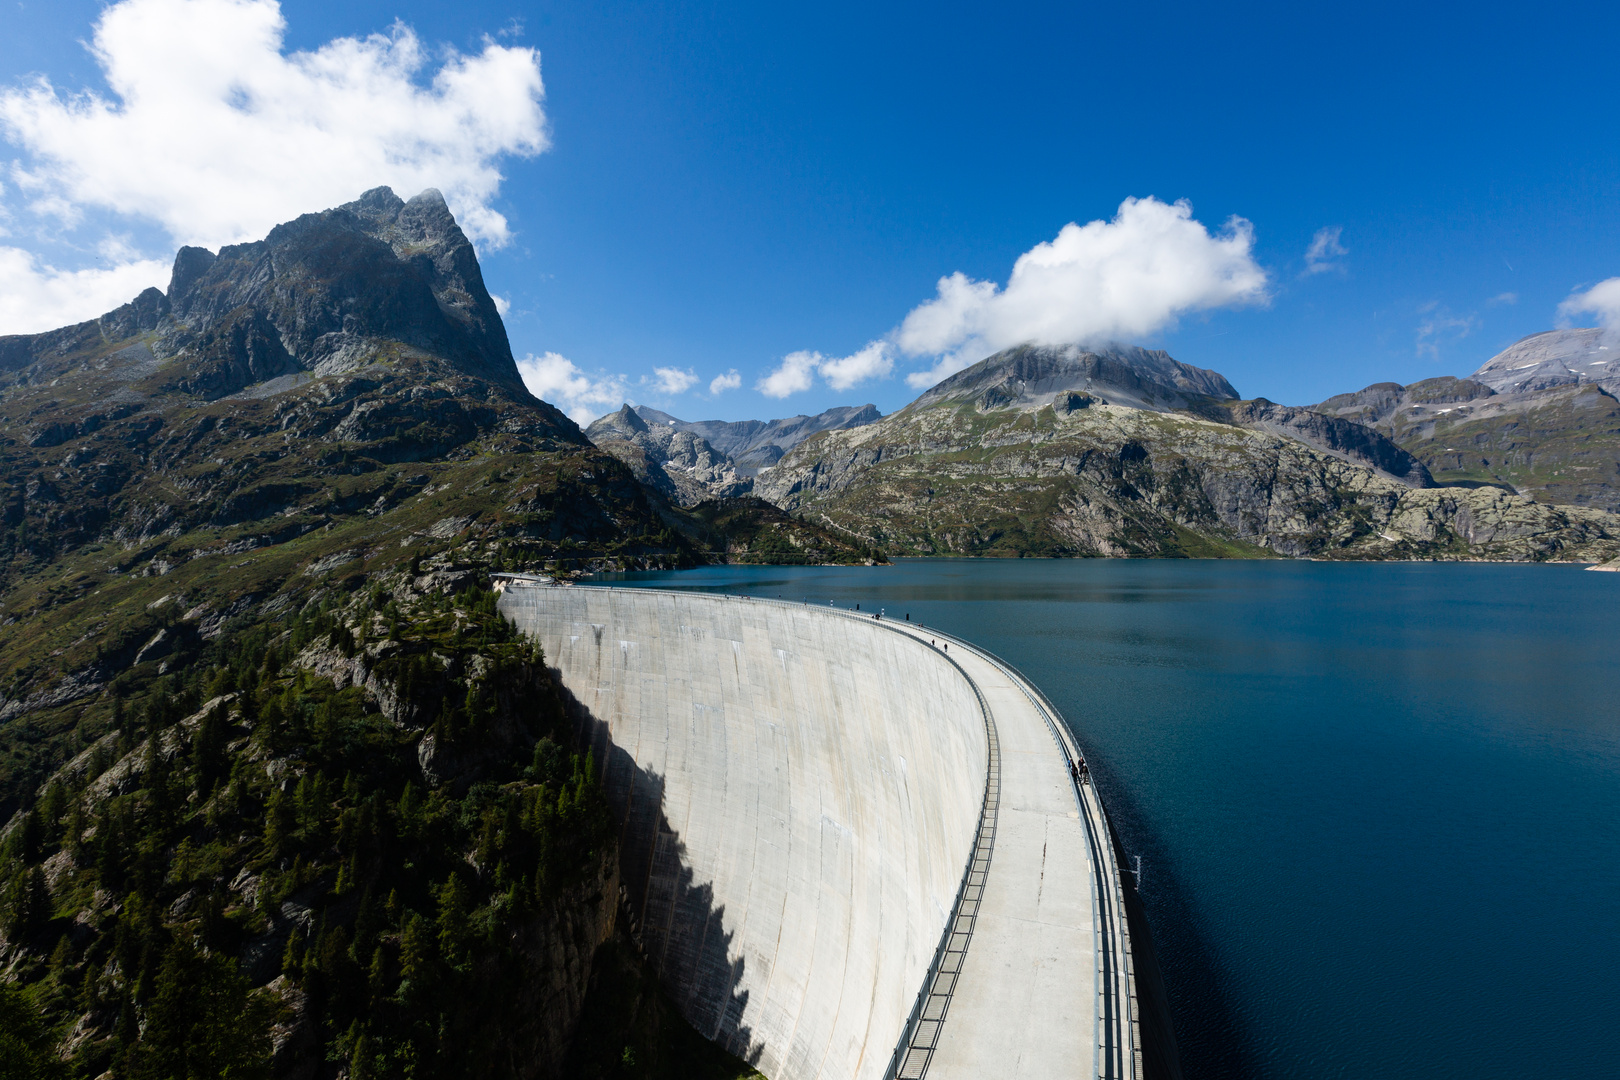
x: 1559, y: 445
x: 1074, y: 477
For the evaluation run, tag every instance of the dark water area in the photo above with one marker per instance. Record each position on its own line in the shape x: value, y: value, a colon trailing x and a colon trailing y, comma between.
x: 1377, y: 805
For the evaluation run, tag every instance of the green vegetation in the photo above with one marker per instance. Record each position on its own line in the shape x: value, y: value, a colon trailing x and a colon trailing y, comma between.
x: 248, y: 807
x: 1565, y: 451
x: 751, y: 530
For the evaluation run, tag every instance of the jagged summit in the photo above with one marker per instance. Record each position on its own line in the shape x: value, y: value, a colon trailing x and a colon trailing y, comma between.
x: 338, y: 289
x: 624, y: 424
x: 370, y: 281
x: 759, y: 444
x: 1031, y: 376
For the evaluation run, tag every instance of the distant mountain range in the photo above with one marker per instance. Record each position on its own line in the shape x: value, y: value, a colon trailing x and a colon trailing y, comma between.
x: 710, y: 459
x: 1109, y: 450
x: 759, y: 444
x: 1124, y: 452
x: 1540, y: 418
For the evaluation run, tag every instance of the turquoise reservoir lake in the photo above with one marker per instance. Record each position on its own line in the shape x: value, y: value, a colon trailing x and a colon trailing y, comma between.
x: 1377, y: 805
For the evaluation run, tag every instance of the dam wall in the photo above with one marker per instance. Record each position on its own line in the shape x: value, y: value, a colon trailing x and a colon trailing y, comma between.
x: 799, y: 791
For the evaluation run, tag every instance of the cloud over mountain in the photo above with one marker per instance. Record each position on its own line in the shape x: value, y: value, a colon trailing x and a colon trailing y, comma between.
x: 1602, y: 300
x: 555, y: 378
x: 1106, y: 280
x: 797, y: 370
x: 36, y: 296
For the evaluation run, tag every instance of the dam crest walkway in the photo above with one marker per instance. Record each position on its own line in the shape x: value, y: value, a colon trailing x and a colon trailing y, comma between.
x: 871, y: 848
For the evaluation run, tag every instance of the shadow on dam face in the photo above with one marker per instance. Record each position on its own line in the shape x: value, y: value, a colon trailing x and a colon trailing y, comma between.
x: 677, y: 924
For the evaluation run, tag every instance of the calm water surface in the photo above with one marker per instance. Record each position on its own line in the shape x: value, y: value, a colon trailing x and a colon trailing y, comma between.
x: 1378, y: 805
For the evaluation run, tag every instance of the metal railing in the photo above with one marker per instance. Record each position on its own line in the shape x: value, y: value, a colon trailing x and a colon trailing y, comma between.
x: 1118, y: 1031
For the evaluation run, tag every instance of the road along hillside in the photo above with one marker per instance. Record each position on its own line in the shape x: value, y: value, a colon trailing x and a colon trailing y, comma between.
x: 851, y: 848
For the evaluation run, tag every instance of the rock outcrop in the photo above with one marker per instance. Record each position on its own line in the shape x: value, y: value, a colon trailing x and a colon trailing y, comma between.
x: 681, y: 465
x: 1333, y: 435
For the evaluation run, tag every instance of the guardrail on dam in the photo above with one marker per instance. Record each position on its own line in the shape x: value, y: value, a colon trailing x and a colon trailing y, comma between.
x: 818, y: 808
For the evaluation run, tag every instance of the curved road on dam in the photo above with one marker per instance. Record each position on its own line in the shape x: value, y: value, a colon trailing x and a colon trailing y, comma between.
x: 850, y: 847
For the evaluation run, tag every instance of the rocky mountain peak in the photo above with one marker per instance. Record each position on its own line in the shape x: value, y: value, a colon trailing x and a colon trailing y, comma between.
x: 760, y: 444
x: 676, y: 462
x: 335, y: 291
x: 624, y: 424
x: 1033, y: 376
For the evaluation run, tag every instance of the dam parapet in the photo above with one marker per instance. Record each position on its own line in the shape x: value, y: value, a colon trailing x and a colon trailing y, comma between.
x: 848, y: 851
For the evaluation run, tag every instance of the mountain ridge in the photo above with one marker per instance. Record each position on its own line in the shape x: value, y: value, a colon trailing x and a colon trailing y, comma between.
x: 759, y: 444
x: 1029, y: 376
x: 1541, y: 419
x: 1069, y: 452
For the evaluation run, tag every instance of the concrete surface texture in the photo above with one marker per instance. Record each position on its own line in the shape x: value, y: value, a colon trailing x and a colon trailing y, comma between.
x: 803, y: 792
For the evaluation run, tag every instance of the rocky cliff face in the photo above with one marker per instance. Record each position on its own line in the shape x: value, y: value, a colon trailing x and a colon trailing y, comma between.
x: 1540, y: 419
x: 676, y: 462
x: 1016, y: 461
x: 759, y: 444
x: 1332, y: 435
x: 369, y: 283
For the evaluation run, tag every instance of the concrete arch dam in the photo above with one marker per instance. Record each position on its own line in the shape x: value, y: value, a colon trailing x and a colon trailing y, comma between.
x: 850, y: 853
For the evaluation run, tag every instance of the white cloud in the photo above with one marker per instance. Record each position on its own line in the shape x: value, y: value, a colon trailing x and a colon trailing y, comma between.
x: 1325, y: 248
x: 1106, y: 280
x: 215, y: 134
x: 671, y: 381
x: 876, y: 361
x: 1602, y: 300
x: 502, y: 304
x: 557, y: 379
x: 1439, y: 327
x: 795, y: 374
x: 797, y: 370
x: 1503, y: 298
x: 35, y: 297
x: 721, y: 383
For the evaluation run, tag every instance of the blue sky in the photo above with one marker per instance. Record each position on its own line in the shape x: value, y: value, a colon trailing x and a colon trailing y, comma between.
x: 718, y: 187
